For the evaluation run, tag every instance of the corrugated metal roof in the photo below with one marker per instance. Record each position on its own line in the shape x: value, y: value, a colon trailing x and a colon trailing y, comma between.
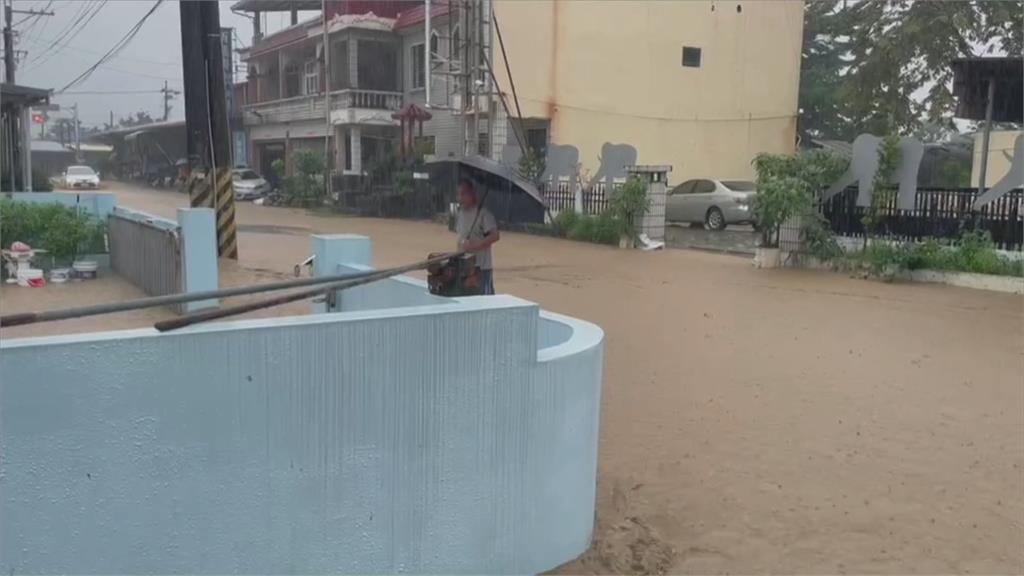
x: 23, y: 95
x: 48, y: 146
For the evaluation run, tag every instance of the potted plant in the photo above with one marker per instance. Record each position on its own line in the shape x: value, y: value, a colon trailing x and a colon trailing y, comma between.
x: 628, y: 206
x: 777, y: 200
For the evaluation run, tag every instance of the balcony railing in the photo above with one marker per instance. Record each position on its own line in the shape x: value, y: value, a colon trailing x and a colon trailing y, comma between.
x: 370, y: 99
x: 311, y: 107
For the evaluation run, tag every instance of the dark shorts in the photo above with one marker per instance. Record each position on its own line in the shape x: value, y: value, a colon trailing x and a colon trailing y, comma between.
x: 487, y: 282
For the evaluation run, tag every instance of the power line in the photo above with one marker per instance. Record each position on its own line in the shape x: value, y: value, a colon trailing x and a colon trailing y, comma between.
x: 77, y: 31
x: 124, y: 41
x: 76, y: 48
x: 90, y: 92
x: 42, y: 28
x: 75, y: 19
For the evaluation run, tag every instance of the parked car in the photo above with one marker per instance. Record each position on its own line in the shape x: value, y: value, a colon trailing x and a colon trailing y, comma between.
x: 81, y: 177
x: 248, y: 184
x: 715, y: 203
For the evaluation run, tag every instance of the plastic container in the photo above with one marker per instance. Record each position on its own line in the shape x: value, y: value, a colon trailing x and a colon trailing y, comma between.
x: 85, y: 269
x: 60, y: 275
x: 30, y: 277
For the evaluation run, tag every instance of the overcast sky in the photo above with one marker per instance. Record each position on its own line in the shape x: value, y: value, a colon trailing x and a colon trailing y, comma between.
x: 86, y: 31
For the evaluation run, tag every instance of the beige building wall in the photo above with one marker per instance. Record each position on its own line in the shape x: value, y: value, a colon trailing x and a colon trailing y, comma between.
x: 611, y: 71
x: 1000, y: 151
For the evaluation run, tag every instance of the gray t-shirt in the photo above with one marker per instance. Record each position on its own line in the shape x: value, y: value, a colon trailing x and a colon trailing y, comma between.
x: 485, y: 225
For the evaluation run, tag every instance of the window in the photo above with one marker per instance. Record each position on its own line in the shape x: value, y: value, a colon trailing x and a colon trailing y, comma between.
x: 537, y: 140
x: 691, y: 57
x: 483, y: 144
x: 684, y: 188
x: 311, y: 77
x: 740, y: 185
x: 424, y: 145
x: 434, y: 46
x: 416, y: 62
x: 704, y: 187
x: 292, y: 80
x: 455, y: 50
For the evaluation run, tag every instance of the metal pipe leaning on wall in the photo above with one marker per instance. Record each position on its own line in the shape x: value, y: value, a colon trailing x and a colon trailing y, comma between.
x: 205, y: 315
x: 24, y: 318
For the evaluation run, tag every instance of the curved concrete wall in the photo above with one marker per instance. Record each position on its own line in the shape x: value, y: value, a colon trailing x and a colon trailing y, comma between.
x: 439, y: 438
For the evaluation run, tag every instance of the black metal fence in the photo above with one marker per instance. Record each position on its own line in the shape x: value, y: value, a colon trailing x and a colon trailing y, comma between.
x: 937, y: 213
x: 365, y: 196
x: 561, y: 195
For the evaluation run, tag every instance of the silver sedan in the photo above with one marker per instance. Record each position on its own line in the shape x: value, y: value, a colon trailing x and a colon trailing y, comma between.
x: 715, y: 203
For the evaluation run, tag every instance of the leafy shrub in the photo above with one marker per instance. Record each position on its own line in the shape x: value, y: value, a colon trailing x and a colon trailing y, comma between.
x: 972, y: 252
x: 602, y: 229
x: 787, y: 187
x: 777, y: 200
x: 627, y: 205
x: 564, y: 222
x: 64, y: 232
x: 306, y: 186
x: 532, y: 166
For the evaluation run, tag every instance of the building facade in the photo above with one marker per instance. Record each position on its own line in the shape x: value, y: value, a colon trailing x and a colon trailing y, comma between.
x: 591, y: 86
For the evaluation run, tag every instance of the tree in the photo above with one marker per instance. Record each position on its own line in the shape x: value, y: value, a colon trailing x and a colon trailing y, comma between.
x: 883, y: 66
x: 821, y: 112
x: 141, y: 117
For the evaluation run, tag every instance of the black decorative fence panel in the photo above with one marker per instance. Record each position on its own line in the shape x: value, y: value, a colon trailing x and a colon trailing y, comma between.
x: 937, y: 213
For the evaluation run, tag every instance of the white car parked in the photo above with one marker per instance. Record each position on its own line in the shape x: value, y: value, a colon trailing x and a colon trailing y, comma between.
x: 81, y: 177
x: 248, y: 184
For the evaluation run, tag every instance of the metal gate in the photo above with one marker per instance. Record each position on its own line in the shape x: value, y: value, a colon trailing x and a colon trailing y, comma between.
x: 147, y: 254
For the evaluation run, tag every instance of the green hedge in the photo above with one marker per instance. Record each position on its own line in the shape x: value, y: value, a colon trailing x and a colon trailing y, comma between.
x: 63, y: 231
x: 601, y: 229
x: 972, y: 252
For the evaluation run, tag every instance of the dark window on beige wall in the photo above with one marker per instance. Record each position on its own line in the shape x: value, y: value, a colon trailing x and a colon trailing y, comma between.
x: 691, y: 57
x: 416, y: 65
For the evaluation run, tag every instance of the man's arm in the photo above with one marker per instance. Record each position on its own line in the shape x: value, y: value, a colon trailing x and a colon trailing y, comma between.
x: 492, y: 237
x: 491, y: 234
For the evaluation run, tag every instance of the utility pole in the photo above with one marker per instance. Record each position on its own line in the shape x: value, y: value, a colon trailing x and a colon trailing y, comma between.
x: 168, y: 96
x: 78, y: 141
x: 8, y: 41
x: 328, y: 128
x: 9, y: 52
x: 207, y: 134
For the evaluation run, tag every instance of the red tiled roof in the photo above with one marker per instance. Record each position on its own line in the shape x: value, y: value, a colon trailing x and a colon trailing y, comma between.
x: 287, y: 36
x: 417, y: 15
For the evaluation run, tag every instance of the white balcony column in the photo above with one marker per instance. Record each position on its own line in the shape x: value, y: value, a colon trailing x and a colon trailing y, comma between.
x: 356, y: 143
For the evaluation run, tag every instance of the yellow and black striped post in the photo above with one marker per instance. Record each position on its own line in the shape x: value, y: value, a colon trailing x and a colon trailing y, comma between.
x: 208, y: 135
x: 221, y: 198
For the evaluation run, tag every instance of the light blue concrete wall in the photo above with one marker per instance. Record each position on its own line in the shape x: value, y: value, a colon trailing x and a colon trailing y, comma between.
x: 99, y: 203
x: 146, y: 218
x: 198, y: 233
x: 442, y: 439
x: 351, y: 253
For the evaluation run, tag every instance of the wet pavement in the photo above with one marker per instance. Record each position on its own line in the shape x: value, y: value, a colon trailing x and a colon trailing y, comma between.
x: 733, y: 240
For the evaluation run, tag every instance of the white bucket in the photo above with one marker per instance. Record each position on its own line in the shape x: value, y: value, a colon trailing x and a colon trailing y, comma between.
x: 85, y: 268
x: 60, y: 275
x: 27, y: 275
